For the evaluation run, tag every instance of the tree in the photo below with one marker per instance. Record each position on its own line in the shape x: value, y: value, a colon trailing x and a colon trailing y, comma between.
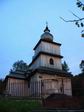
x: 2, y: 86
x: 20, y: 65
x: 82, y: 66
x: 79, y: 21
x: 78, y: 82
x: 78, y: 85
x: 65, y: 67
x: 80, y: 4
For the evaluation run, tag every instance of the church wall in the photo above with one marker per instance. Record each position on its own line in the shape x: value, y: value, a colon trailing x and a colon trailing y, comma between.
x: 36, y: 63
x: 53, y: 83
x: 48, y: 47
x: 17, y: 87
x: 35, y: 86
x: 38, y: 49
x: 67, y: 87
x: 35, y: 77
x: 46, y: 63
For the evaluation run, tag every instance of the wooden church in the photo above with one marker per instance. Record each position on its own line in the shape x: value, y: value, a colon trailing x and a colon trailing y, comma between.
x: 44, y: 75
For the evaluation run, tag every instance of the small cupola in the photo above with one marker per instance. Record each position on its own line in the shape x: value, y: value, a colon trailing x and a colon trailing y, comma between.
x: 47, y: 35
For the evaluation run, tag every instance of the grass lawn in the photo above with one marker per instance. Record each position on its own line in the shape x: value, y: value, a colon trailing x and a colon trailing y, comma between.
x: 8, y: 105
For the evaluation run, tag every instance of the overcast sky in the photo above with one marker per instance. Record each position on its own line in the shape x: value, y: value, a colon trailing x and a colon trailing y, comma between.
x: 22, y: 22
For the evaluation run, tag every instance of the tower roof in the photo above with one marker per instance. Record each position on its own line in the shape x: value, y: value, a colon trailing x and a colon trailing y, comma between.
x: 47, y: 35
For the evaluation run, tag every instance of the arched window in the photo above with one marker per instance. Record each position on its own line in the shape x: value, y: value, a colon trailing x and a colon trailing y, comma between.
x: 51, y: 61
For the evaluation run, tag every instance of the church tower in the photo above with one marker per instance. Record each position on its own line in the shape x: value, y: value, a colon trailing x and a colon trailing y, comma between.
x: 47, y: 52
x: 46, y: 66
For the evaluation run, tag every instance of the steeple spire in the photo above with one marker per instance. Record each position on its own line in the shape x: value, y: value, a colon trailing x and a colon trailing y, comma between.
x: 46, y: 29
x: 46, y: 24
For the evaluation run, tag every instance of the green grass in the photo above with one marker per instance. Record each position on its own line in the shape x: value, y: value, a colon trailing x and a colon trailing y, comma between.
x: 7, y: 105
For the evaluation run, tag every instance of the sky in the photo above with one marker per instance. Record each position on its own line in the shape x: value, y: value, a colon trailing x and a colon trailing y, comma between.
x: 22, y: 22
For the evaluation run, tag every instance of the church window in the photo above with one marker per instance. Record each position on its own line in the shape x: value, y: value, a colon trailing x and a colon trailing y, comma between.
x: 51, y: 61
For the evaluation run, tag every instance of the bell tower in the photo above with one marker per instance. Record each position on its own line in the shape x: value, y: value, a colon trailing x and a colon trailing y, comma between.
x: 47, y: 52
x: 46, y: 66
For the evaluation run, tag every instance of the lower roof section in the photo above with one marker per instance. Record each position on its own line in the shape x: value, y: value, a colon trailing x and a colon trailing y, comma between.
x: 52, y: 71
x: 43, y: 70
x: 16, y: 75
x: 55, y: 43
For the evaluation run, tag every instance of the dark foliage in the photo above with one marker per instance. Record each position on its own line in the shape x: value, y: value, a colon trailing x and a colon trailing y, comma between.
x: 79, y: 20
x: 80, y: 5
x: 65, y: 67
x: 2, y: 86
x: 82, y: 66
x: 78, y: 85
x: 78, y: 82
x: 19, y: 65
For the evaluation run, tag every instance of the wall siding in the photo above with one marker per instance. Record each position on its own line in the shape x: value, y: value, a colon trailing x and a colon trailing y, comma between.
x: 36, y: 63
x: 48, y: 47
x: 45, y: 62
x: 53, y: 83
x: 17, y: 87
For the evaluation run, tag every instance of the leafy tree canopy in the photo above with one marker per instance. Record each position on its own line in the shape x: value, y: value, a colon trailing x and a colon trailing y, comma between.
x: 82, y: 66
x: 19, y: 65
x: 65, y: 67
x: 80, y: 4
x: 2, y: 86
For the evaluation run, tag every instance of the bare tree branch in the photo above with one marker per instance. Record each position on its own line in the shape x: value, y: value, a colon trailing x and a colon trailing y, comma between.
x: 72, y: 20
x: 82, y: 31
x: 74, y: 14
x: 78, y: 21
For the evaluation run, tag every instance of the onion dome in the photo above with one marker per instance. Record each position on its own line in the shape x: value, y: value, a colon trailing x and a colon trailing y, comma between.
x: 47, y: 35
